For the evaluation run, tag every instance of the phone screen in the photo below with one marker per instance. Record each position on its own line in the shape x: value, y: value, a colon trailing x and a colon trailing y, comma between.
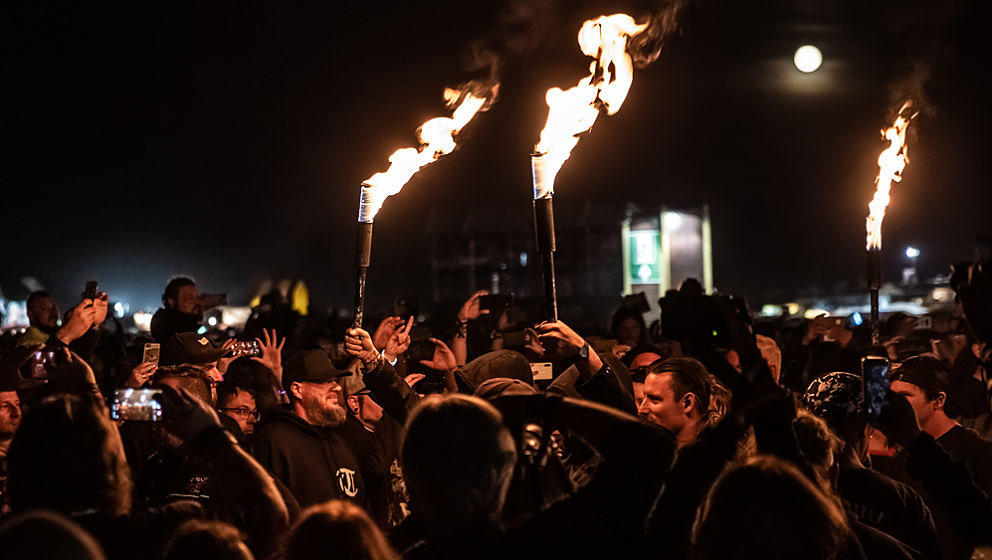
x: 875, y: 373
x: 136, y: 404
x: 150, y: 353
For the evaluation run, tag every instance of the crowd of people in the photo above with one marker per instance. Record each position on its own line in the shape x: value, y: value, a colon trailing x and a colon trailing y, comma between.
x: 494, y: 434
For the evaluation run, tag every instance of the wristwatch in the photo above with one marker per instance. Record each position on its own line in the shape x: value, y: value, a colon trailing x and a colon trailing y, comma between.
x: 584, y: 352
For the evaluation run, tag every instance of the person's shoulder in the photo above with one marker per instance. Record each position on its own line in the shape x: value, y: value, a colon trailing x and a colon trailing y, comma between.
x: 279, y: 426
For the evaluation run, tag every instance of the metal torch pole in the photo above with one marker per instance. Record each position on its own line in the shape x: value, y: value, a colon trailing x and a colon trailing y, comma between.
x: 874, y: 283
x: 544, y: 228
x: 363, y: 255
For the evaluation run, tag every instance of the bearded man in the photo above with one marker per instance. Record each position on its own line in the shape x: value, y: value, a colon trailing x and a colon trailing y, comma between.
x: 302, y: 445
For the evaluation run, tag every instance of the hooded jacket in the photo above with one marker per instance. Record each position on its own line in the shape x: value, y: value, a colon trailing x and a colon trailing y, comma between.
x: 315, y: 463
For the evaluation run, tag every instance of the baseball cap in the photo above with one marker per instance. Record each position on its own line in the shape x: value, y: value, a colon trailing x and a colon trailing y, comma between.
x: 190, y: 348
x: 837, y: 397
x: 311, y: 366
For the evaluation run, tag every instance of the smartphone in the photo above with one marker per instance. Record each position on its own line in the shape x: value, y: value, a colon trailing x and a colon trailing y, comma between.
x: 541, y: 371
x: 150, y: 353
x: 136, y: 405
x: 875, y: 377
x: 495, y: 302
x: 420, y: 350
x: 244, y: 348
x: 40, y: 359
x: 91, y: 290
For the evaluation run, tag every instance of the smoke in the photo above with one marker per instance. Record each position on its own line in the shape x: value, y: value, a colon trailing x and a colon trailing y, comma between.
x: 922, y: 28
x: 522, y: 26
x: 645, y: 47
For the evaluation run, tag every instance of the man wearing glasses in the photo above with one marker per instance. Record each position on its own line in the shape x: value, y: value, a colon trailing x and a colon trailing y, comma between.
x: 238, y: 404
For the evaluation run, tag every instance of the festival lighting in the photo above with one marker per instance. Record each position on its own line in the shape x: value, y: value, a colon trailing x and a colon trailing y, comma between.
x: 912, y: 252
x: 572, y: 112
x: 437, y: 138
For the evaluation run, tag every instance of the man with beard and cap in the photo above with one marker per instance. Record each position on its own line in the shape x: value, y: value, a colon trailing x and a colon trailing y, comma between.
x: 302, y: 445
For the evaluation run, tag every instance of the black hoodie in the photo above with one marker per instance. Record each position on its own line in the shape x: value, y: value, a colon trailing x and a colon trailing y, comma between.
x: 314, y: 462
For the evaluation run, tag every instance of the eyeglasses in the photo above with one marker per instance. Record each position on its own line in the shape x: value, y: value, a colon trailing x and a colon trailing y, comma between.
x: 242, y: 411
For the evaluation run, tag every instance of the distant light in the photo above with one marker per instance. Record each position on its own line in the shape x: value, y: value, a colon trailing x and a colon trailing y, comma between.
x: 142, y: 321
x: 523, y: 259
x: 212, y: 321
x: 808, y: 58
x: 201, y: 330
x: 912, y: 252
x: 793, y: 308
x: 672, y: 220
x: 813, y: 313
x: 771, y: 310
x: 121, y: 309
x: 857, y: 319
x: 943, y: 294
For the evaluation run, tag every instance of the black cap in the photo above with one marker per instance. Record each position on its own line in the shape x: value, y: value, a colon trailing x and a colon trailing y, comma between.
x: 310, y: 366
x: 190, y: 348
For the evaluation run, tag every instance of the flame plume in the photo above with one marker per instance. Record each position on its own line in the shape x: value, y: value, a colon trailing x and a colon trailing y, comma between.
x: 437, y: 138
x: 891, y: 162
x: 574, y: 111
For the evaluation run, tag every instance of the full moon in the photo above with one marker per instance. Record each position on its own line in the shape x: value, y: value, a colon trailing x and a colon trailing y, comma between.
x: 807, y: 58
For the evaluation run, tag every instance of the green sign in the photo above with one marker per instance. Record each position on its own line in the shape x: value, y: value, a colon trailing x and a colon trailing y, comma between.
x: 643, y: 264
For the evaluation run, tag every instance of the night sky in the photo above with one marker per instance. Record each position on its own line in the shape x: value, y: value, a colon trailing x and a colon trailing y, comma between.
x: 228, y: 139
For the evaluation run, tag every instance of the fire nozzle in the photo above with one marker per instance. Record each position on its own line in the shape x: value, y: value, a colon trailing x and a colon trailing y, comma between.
x: 544, y: 230
x: 874, y: 283
x: 363, y: 256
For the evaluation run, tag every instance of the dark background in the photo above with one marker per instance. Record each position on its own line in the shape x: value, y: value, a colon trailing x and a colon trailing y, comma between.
x: 228, y: 139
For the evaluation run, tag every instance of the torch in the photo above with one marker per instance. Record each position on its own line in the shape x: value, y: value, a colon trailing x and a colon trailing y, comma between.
x: 874, y: 282
x: 572, y: 112
x: 363, y: 253
x: 891, y: 163
x: 544, y: 230
x: 437, y: 138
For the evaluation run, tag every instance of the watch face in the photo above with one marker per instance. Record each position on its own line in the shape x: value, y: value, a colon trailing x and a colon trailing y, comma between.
x: 584, y: 352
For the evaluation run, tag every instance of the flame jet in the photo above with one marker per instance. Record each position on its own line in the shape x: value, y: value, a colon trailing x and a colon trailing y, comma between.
x: 572, y: 112
x: 891, y: 163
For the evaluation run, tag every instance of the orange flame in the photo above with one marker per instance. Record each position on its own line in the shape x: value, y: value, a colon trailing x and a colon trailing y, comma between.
x: 891, y: 162
x: 437, y: 138
x: 574, y: 111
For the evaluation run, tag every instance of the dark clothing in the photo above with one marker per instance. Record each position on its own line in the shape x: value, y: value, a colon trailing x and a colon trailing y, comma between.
x: 967, y: 447
x: 604, y: 519
x: 889, y: 506
x: 948, y: 484
x: 315, y: 463
x: 378, y: 456
x: 948, y: 479
x: 167, y: 322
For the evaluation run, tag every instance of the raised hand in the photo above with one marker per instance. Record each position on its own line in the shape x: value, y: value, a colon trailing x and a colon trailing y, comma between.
x: 223, y: 362
x: 399, y: 342
x: 413, y: 379
x: 385, y: 330
x: 358, y: 344
x: 140, y: 375
x: 470, y: 309
x: 79, y: 322
x: 561, y: 333
x: 271, y: 352
x: 444, y: 358
x: 100, y: 308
